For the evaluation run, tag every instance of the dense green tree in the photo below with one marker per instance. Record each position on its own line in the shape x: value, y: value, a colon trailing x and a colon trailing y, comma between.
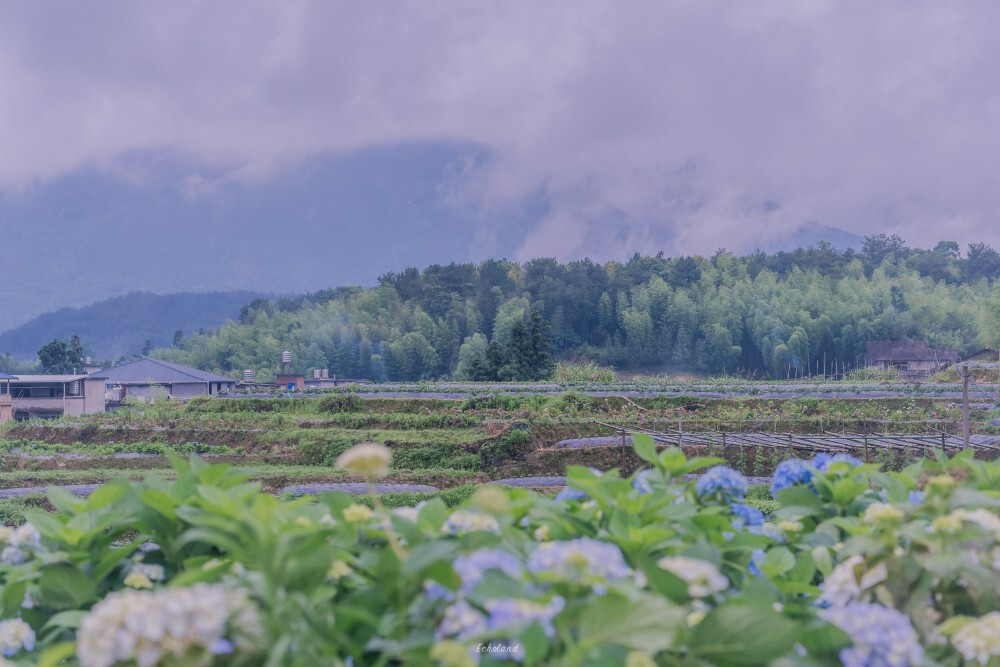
x: 763, y: 314
x: 62, y: 356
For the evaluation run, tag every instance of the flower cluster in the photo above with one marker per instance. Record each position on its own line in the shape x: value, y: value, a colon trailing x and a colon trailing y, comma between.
x: 465, y: 521
x: 979, y: 640
x: 18, y: 543
x: 792, y: 472
x: 470, y: 569
x: 366, y: 459
x: 641, y: 482
x: 726, y: 483
x: 703, y: 578
x: 146, y: 626
x: 880, y: 635
x: 569, y: 493
x: 15, y: 635
x: 746, y: 515
x: 823, y: 461
x: 844, y: 585
x: 462, y: 621
x: 142, y: 575
x: 582, y: 559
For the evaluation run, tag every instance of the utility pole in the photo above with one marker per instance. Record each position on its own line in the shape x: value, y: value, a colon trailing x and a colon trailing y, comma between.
x: 965, y: 407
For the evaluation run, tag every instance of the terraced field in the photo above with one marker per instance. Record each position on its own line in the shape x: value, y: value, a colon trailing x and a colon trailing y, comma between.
x: 440, y: 446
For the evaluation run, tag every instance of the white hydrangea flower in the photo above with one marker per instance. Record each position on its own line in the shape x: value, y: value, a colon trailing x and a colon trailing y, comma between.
x: 15, y: 541
x: 146, y: 626
x: 882, y: 513
x: 703, y: 578
x: 367, y: 459
x: 142, y: 575
x: 979, y: 641
x: 464, y: 521
x: 15, y: 635
x: 843, y: 585
x: 410, y: 513
x: 983, y: 518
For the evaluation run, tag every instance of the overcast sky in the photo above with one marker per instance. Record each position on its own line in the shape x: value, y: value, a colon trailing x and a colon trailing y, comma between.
x: 706, y: 123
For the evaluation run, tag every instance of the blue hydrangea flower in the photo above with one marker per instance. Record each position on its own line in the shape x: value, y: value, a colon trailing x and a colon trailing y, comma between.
x: 746, y: 515
x: 582, y: 559
x: 471, y: 568
x: 789, y: 473
x: 725, y: 482
x: 222, y: 647
x: 569, y: 493
x: 462, y: 621
x: 756, y: 560
x: 823, y: 461
x: 881, y: 636
x: 508, y: 611
x: 641, y: 482
x: 916, y: 497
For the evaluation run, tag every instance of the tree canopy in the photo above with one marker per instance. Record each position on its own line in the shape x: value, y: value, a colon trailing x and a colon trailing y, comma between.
x: 764, y: 314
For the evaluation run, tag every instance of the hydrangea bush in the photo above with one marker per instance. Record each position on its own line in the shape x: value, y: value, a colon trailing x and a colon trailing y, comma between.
x: 857, y: 567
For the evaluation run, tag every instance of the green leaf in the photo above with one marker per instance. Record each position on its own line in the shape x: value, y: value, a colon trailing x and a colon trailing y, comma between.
x: 13, y: 597
x: 106, y: 494
x: 536, y: 644
x: 646, y: 622
x: 161, y: 502
x: 424, y: 555
x: 57, y: 654
x: 66, y: 619
x: 65, y: 587
x: 778, y: 561
x: 743, y: 635
x: 799, y: 497
x: 65, y: 501
x: 432, y: 515
x: 645, y: 449
x: 823, y: 637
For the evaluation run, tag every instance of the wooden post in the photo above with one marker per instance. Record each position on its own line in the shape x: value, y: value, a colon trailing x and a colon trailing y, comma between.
x: 965, y: 407
x: 866, y: 449
x: 624, y: 471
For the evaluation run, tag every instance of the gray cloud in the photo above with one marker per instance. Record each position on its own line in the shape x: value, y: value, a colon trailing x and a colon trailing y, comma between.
x: 648, y: 124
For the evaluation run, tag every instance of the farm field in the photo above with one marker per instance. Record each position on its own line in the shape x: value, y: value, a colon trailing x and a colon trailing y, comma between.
x: 449, y: 446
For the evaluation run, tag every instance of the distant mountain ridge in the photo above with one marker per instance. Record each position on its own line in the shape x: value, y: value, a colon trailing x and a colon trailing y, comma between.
x: 121, y: 326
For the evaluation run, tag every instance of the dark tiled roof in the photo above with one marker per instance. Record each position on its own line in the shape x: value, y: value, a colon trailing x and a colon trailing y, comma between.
x: 144, y: 371
x: 4, y: 376
x: 908, y: 350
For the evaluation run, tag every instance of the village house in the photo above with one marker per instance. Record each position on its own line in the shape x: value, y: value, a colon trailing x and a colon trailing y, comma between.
x: 911, y: 358
x: 150, y: 378
x: 6, y: 409
x: 51, y: 396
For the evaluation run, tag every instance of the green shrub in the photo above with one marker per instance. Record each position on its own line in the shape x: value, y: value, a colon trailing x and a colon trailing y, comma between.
x: 510, y: 446
x: 316, y: 451
x: 335, y: 403
x: 568, y: 372
x: 435, y: 456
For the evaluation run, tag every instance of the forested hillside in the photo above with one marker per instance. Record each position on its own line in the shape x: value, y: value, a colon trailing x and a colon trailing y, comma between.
x: 768, y: 314
x: 123, y: 326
